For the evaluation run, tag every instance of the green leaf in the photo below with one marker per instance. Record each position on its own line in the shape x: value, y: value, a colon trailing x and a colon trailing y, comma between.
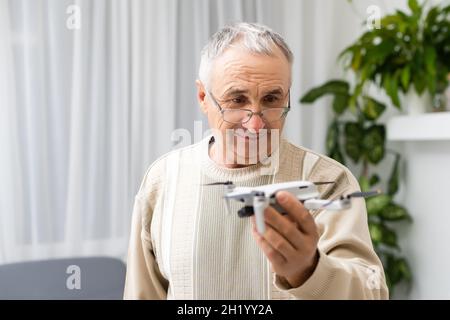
x: 394, y: 212
x: 420, y: 82
x: 393, y: 180
x: 353, y: 136
x: 376, y: 232
x: 402, y: 15
x: 356, y: 60
x: 352, y: 103
x: 373, y: 143
x: 332, y: 136
x: 391, y: 87
x: 364, y: 183
x: 340, y: 103
x: 418, y: 72
x: 330, y: 87
x: 405, y: 77
x: 390, y: 20
x: 348, y: 51
x: 373, y: 108
x: 377, y: 203
x: 374, y: 179
x: 389, y: 237
x: 378, y: 54
x: 336, y: 154
x: 446, y: 9
x: 376, y: 154
x: 430, y: 59
x: 431, y: 16
x: 353, y: 149
x: 366, y: 72
x: 381, y: 234
x: 397, y: 269
x: 402, y: 26
x: 414, y: 6
x: 430, y: 67
x: 394, y: 91
x: 431, y: 83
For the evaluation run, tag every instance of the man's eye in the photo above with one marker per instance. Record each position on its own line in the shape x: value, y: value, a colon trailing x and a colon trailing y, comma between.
x: 271, y: 99
x: 238, y: 100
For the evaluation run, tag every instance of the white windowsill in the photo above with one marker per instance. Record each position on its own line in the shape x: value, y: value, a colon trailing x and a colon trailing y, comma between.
x: 424, y: 127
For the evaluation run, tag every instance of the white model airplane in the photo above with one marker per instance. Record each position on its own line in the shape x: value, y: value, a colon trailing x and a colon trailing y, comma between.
x: 256, y: 199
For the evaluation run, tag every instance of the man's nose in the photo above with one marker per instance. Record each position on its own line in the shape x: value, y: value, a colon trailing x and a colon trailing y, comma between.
x: 256, y: 123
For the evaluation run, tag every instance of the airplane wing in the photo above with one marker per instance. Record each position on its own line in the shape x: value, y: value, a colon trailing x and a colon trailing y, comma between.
x: 339, y: 204
x: 287, y: 186
x: 242, y: 194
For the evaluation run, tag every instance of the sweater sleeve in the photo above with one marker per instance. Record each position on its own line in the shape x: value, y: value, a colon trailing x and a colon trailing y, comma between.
x: 348, y: 267
x: 143, y: 276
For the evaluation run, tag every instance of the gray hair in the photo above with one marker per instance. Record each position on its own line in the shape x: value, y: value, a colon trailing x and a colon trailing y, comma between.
x: 253, y: 37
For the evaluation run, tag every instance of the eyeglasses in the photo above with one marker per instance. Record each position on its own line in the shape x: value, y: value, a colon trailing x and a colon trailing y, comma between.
x: 232, y: 114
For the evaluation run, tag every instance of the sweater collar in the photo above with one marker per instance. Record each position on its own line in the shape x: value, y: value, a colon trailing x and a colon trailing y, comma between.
x: 221, y: 173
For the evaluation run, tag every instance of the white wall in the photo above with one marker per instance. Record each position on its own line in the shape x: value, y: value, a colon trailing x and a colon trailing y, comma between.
x: 425, y: 193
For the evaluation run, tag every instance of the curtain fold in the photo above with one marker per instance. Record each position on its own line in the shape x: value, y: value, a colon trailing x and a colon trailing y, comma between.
x: 11, y: 212
x: 85, y: 111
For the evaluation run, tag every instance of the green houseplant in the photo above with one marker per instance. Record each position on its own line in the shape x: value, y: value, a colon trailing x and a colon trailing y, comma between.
x: 408, y: 52
x: 362, y: 139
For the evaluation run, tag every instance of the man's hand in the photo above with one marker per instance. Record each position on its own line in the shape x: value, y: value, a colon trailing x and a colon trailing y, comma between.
x: 290, y: 242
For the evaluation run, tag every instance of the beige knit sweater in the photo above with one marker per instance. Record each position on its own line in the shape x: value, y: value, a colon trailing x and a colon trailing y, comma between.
x: 184, y: 244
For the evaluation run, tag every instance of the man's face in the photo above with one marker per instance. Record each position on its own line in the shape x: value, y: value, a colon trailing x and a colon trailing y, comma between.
x: 242, y: 80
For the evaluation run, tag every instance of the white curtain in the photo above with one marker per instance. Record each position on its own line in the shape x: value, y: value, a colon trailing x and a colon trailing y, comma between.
x: 85, y: 111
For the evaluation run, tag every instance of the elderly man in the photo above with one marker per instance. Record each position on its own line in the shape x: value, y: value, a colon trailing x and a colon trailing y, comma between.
x: 184, y: 244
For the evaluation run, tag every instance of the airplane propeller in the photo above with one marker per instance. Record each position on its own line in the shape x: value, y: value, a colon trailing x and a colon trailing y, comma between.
x: 319, y: 183
x: 359, y: 194
x: 226, y: 183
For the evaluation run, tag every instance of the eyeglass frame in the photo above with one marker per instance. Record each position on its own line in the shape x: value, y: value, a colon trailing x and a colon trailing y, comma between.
x: 260, y: 113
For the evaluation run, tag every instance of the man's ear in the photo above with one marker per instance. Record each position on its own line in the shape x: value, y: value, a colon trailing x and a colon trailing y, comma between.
x: 201, y: 96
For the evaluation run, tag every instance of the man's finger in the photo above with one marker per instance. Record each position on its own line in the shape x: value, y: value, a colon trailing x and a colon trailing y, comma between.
x: 274, y: 256
x: 285, y: 226
x: 280, y: 243
x: 295, y: 209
